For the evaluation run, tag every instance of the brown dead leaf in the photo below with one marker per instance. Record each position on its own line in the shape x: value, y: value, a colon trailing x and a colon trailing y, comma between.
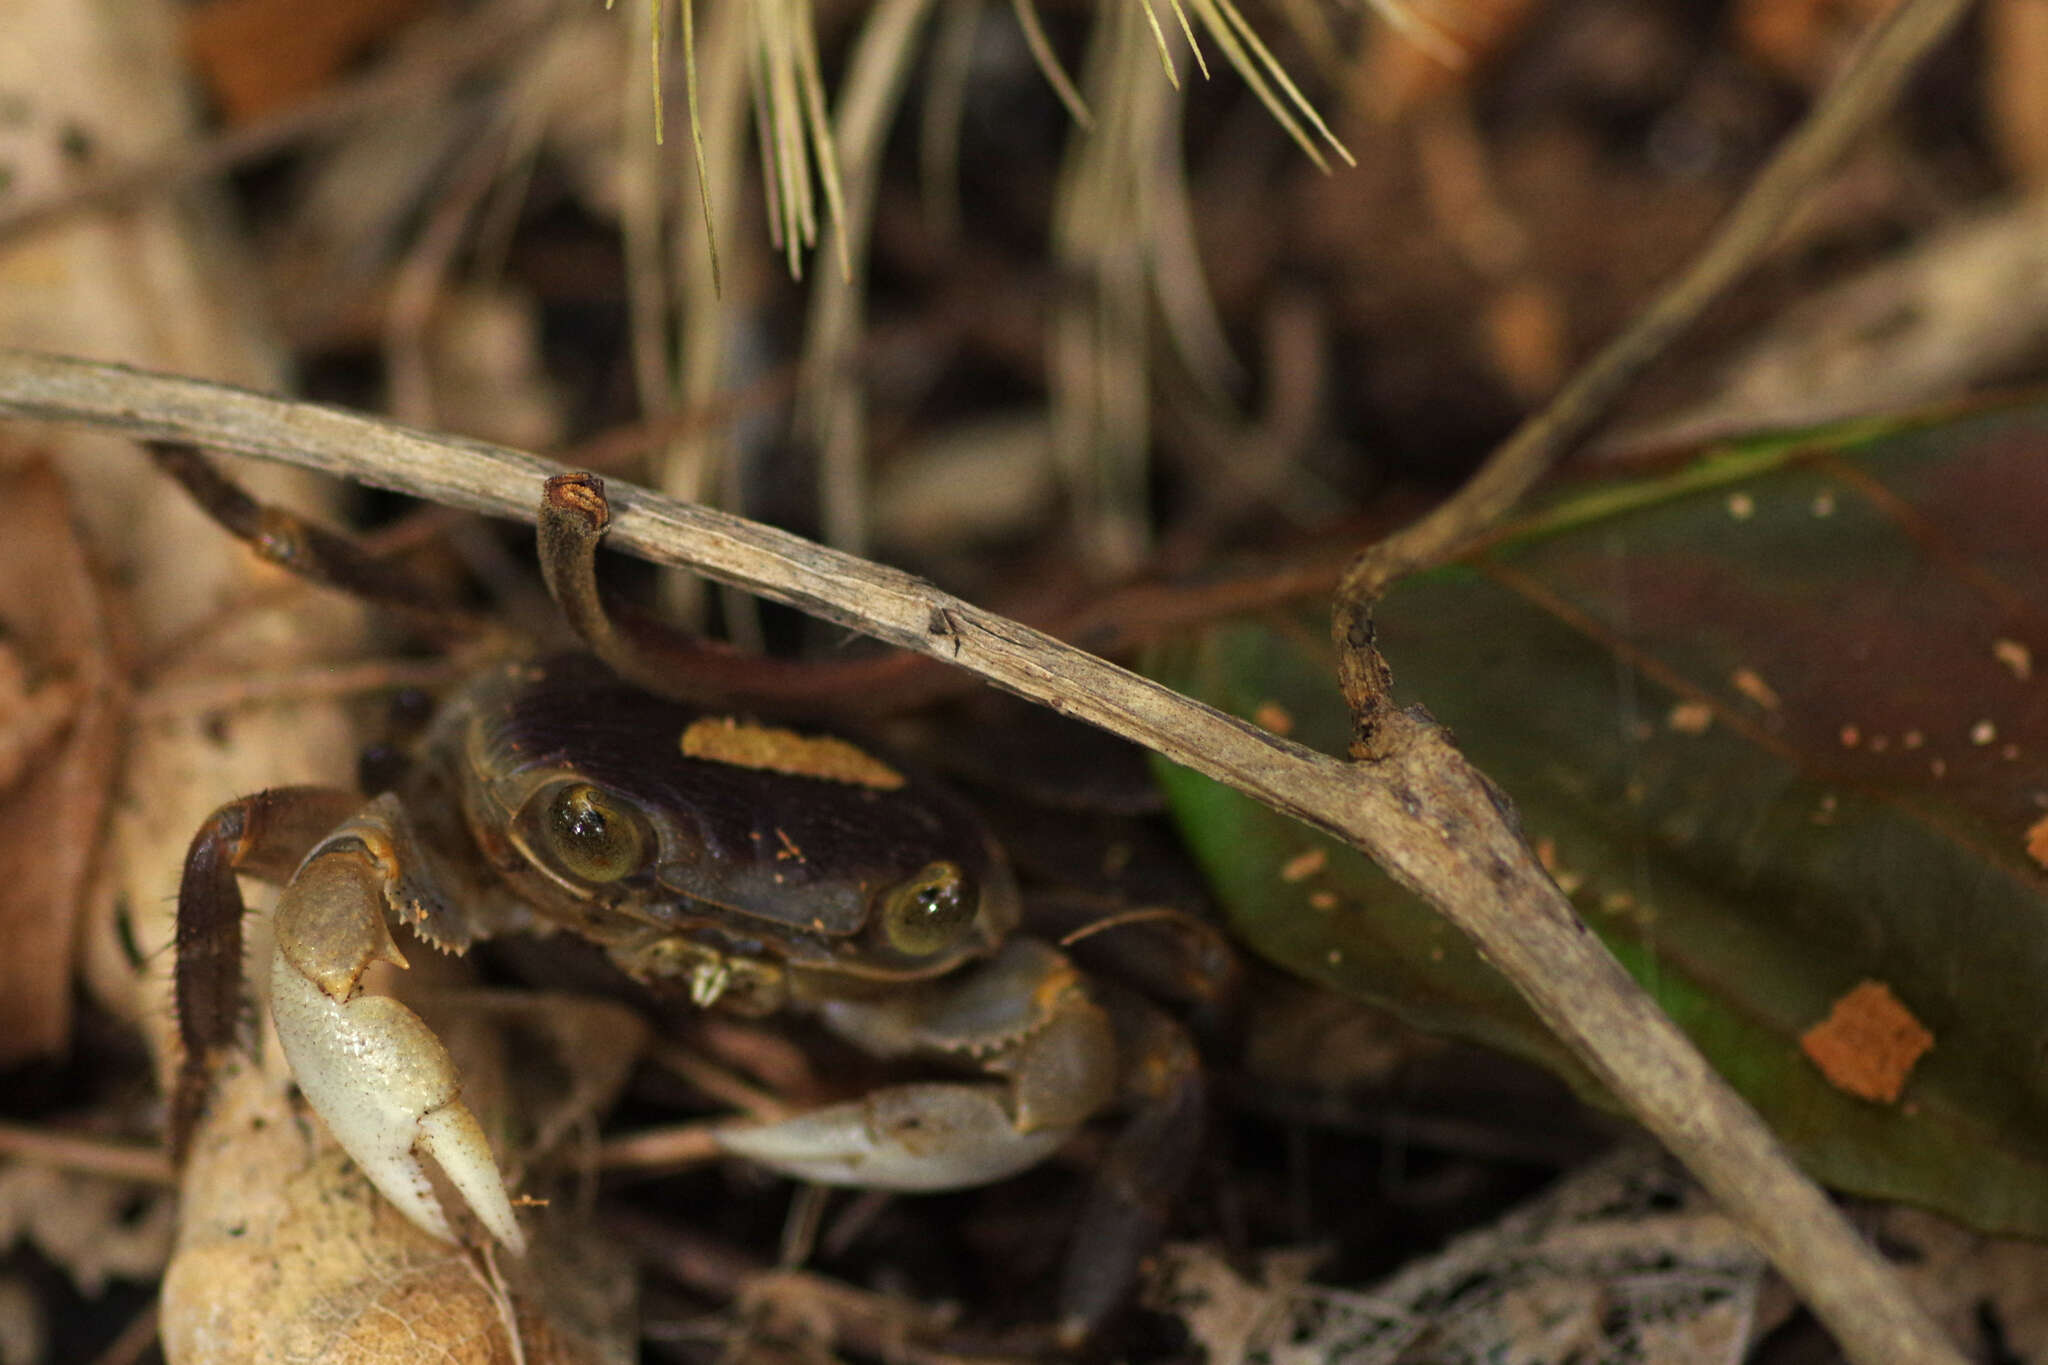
x: 57, y: 751
x: 1402, y: 71
x: 1528, y: 335
x: 259, y: 55
x: 2016, y: 46
x: 1805, y: 40
x: 1868, y: 1043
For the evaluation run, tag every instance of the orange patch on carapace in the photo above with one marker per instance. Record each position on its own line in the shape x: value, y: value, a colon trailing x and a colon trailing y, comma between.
x: 1868, y: 1044
x: 724, y: 739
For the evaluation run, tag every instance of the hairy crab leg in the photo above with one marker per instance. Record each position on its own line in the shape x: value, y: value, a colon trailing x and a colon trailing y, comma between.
x: 368, y: 1065
x: 311, y: 551
x: 264, y: 836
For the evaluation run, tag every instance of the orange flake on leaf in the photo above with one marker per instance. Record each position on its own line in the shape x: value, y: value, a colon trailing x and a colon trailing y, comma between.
x: 1868, y: 1044
x: 2037, y: 841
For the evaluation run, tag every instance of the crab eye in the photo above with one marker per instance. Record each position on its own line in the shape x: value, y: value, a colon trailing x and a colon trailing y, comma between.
x: 929, y: 912
x: 595, y: 836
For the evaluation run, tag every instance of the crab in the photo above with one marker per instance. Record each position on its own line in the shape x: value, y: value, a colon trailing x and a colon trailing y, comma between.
x: 748, y: 866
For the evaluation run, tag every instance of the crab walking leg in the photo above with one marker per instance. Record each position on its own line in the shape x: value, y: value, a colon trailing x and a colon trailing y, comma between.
x: 368, y: 1065
x: 1146, y: 1168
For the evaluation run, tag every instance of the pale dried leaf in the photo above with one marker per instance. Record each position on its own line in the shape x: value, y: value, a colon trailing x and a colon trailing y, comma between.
x: 96, y: 1229
x: 1958, y: 310
x: 145, y: 286
x: 1967, y: 1279
x: 1623, y: 1262
x: 287, y: 1253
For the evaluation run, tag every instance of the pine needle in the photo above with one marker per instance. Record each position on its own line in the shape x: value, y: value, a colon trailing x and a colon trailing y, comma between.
x: 1268, y: 79
x: 811, y: 81
x: 945, y: 105
x: 1049, y: 62
x: 696, y: 138
x: 1159, y: 37
x: 654, y: 9
x: 1187, y: 31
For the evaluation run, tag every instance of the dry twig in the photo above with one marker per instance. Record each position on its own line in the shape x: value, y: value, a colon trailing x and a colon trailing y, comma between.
x: 1422, y: 813
x: 1866, y: 87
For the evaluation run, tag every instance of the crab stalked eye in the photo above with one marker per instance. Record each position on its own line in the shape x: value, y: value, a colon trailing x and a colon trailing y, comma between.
x: 594, y: 836
x: 929, y: 912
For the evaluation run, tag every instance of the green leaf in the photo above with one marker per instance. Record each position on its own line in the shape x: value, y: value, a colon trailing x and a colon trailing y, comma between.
x: 1773, y: 721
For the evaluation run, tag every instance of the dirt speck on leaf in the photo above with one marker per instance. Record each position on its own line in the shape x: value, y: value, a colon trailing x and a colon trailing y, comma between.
x: 1303, y: 865
x: 1751, y: 684
x: 1690, y: 718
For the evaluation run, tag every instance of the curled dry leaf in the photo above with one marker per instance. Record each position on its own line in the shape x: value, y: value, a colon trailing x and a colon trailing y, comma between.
x: 58, y: 704
x: 277, y: 1217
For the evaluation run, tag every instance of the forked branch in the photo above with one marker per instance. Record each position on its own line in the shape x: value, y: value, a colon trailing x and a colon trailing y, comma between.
x: 1866, y: 87
x: 1425, y: 815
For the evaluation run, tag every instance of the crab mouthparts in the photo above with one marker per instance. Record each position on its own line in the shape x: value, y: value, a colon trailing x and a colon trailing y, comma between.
x: 708, y: 979
x: 710, y: 974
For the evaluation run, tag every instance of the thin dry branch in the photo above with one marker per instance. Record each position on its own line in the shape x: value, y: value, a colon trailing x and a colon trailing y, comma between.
x: 1424, y: 814
x: 1888, y: 54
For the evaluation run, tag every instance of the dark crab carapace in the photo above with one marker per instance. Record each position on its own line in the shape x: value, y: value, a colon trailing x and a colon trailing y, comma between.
x: 748, y: 865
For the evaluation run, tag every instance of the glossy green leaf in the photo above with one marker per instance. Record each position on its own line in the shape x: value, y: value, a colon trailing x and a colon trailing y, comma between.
x: 1779, y: 723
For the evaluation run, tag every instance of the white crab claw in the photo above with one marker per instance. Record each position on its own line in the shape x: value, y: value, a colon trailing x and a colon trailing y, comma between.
x: 905, y: 1137
x: 388, y: 1090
